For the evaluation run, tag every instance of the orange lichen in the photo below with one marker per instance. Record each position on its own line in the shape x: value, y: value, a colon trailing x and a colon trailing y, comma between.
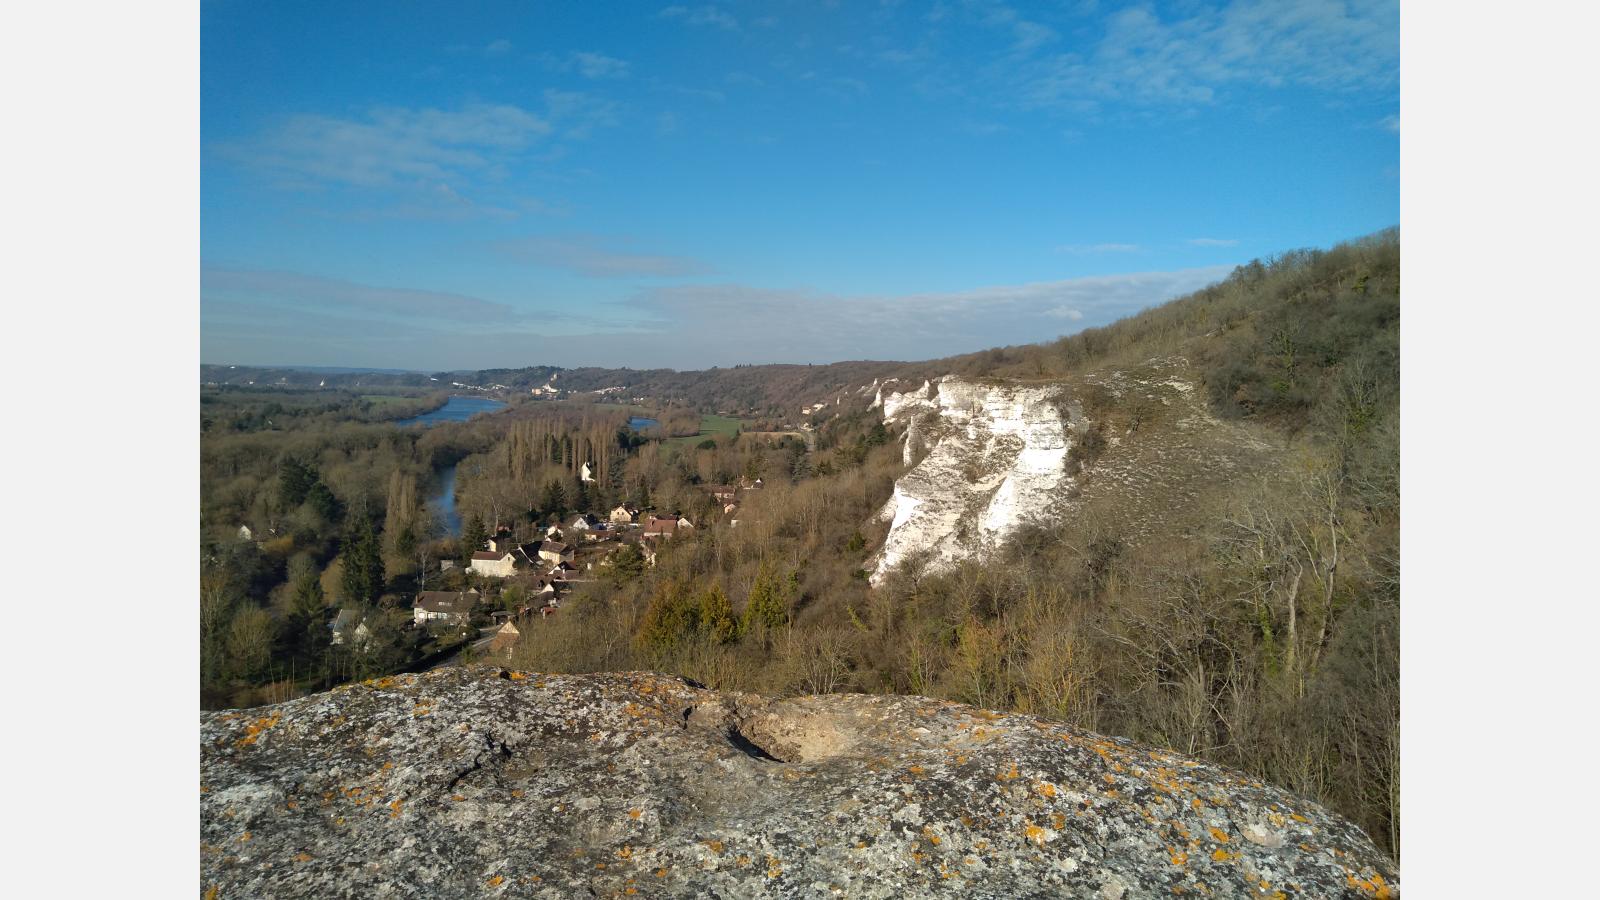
x: 635, y: 813
x: 517, y: 676
x: 496, y: 881
x: 661, y: 873
x: 211, y: 893
x: 774, y: 867
x: 1179, y: 858
x: 457, y: 798
x: 1221, y: 855
x: 254, y: 729
x: 742, y: 860
x: 625, y: 853
x: 915, y: 770
x: 1046, y: 788
x: 1219, y: 835
x: 1035, y: 834
x: 302, y: 857
x: 716, y: 846
x: 1009, y: 775
x: 394, y: 808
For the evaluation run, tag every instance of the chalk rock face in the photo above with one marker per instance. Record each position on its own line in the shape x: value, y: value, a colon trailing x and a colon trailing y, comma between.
x: 996, y: 459
x: 476, y: 782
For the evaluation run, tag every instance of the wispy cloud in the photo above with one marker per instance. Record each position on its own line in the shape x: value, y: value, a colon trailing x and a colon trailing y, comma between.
x: 1097, y: 249
x: 263, y: 290
x: 707, y: 15
x: 691, y: 326
x: 1145, y: 56
x: 598, y: 65
x: 397, y: 146
x: 598, y: 257
x: 498, y: 48
x: 1212, y: 242
x: 390, y: 145
x: 704, y: 321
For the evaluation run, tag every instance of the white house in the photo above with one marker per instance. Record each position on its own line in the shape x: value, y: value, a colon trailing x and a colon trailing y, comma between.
x: 624, y: 515
x: 585, y: 522
x: 555, y: 552
x: 495, y: 564
x: 346, y: 625
x: 444, y: 606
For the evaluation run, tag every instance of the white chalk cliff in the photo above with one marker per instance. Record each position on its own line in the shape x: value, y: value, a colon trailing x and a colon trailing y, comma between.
x: 989, y: 457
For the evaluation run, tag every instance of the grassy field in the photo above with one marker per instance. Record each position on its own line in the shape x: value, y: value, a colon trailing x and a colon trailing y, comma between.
x: 710, y: 427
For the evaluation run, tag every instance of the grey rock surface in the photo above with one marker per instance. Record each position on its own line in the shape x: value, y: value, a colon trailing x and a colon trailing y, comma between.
x: 472, y: 782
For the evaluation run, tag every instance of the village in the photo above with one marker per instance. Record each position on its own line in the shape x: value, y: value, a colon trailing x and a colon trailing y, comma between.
x: 519, y: 576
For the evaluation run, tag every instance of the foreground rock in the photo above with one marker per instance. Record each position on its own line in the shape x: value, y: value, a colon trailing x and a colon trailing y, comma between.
x: 483, y: 782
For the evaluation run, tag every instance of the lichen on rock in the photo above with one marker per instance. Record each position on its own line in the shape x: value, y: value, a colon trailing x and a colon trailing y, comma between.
x: 640, y: 784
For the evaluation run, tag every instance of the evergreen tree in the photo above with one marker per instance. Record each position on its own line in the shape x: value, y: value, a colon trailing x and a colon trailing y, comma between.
x: 768, y: 606
x: 716, y: 616
x: 474, y: 537
x: 294, y: 481
x: 363, y: 578
x: 555, y: 498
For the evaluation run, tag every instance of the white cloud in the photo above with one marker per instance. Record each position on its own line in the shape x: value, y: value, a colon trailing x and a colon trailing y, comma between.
x: 598, y: 65
x: 695, y: 326
x: 701, y: 15
x: 1146, y: 57
x: 1212, y: 242
x: 390, y: 145
x: 498, y: 48
x: 598, y: 257
x: 262, y: 290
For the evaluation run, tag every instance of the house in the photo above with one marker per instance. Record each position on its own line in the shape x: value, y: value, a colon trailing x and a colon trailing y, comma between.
x: 586, y: 522
x: 245, y: 534
x: 723, y: 492
x: 451, y: 607
x: 555, y: 552
x: 553, y: 531
x: 495, y: 564
x: 624, y: 515
x: 562, y: 571
x: 586, y: 473
x: 502, y: 540
x: 666, y: 526
x: 505, y: 639
x: 349, y: 625
x: 750, y: 485
x: 446, y: 565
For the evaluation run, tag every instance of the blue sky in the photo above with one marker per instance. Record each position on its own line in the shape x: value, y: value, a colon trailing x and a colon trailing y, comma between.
x: 467, y: 185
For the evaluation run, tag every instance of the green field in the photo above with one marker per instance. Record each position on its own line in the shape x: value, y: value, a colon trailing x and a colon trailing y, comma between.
x: 710, y: 426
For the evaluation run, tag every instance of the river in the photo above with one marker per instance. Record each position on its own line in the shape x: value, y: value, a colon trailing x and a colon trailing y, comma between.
x: 456, y: 409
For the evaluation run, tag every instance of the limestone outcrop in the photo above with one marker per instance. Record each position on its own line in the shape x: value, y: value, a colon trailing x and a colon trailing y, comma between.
x: 477, y: 782
x: 986, y: 457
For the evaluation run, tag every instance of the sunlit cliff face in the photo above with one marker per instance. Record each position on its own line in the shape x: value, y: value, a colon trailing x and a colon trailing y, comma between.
x: 988, y: 458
